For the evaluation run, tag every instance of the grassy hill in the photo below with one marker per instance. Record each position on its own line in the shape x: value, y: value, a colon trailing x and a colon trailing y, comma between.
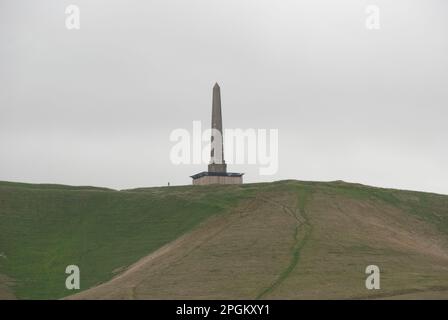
x: 286, y: 239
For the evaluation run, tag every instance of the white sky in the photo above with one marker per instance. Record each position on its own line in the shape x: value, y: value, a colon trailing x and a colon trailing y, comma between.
x: 96, y: 106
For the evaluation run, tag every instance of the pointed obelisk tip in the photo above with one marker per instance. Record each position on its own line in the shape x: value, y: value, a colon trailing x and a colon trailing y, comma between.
x: 216, y: 85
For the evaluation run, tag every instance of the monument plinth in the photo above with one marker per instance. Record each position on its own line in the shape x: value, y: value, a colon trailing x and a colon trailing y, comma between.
x: 217, y: 168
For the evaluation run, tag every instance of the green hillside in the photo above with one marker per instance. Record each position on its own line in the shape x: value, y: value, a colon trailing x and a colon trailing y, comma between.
x: 286, y: 239
x: 44, y: 228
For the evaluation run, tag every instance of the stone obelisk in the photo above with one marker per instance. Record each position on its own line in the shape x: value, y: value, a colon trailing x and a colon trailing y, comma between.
x: 217, y: 163
x: 217, y: 168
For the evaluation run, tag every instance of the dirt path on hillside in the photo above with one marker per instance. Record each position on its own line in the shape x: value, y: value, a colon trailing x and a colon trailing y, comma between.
x: 174, y: 251
x: 302, y: 233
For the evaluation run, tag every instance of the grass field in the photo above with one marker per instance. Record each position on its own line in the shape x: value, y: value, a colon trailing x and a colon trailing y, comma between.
x: 285, y: 239
x: 44, y: 228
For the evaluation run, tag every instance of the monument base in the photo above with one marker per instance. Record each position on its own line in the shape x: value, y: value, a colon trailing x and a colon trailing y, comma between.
x: 217, y: 167
x: 206, y: 178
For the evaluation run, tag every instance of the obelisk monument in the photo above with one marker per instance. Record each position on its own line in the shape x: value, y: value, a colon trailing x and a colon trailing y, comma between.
x: 217, y: 168
x: 217, y: 163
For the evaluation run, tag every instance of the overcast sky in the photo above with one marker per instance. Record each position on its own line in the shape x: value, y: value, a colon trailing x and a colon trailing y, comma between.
x: 96, y: 106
